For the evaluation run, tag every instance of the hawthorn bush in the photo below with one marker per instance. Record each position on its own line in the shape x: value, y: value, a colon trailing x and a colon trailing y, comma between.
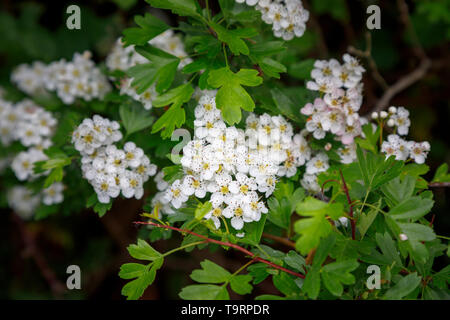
x: 201, y: 122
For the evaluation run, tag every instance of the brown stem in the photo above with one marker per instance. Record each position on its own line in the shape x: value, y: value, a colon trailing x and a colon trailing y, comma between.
x: 33, y: 251
x: 278, y: 239
x: 367, y: 54
x: 226, y: 244
x: 402, y: 84
x: 350, y: 203
x: 439, y: 184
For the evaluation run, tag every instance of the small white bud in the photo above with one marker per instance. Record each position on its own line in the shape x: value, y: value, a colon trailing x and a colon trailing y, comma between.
x: 383, y: 114
x: 374, y: 115
x: 392, y: 109
x: 403, y: 237
x: 391, y: 123
x: 328, y: 146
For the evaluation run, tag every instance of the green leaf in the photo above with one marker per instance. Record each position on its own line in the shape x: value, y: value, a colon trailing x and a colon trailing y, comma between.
x: 311, y: 286
x: 210, y: 273
x: 285, y: 284
x: 259, y: 272
x: 296, y: 261
x: 412, y: 208
x: 253, y: 231
x: 286, y: 106
x: 398, y: 190
x: 365, y: 220
x: 150, y: 27
x: 312, y: 229
x: 417, y: 232
x: 98, y: 207
x: 171, y: 119
x: 202, y: 210
x: 233, y: 38
x: 335, y: 274
x: 301, y: 70
x: 377, y: 171
x: 180, y: 7
x: 241, y: 284
x: 133, y: 290
x: 55, y: 175
x: 134, y: 118
x: 272, y: 68
x: 204, y: 292
x: 143, y: 251
x: 132, y: 270
x: 175, y: 116
x: 442, y: 174
x: 161, y: 69
x: 388, y: 247
x: 404, y: 287
x: 231, y: 96
x: 175, y: 97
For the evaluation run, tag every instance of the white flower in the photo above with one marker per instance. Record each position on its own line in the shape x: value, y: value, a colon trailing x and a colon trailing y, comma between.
x: 161, y: 184
x: 133, y: 154
x: 131, y: 184
x: 23, y: 163
x: 401, y: 120
x: 317, y: 164
x: 347, y: 153
x: 175, y: 195
x: 22, y: 201
x: 194, y: 186
x: 418, y: 151
x: 106, y: 187
x: 53, y: 194
x: 309, y: 182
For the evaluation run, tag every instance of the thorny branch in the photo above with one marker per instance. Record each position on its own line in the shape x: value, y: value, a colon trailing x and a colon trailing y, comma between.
x: 226, y: 244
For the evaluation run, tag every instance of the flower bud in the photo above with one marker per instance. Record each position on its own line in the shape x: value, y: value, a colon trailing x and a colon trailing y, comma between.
x: 392, y: 109
x: 383, y: 114
x: 403, y: 237
x: 328, y: 147
x: 391, y: 123
x: 374, y: 115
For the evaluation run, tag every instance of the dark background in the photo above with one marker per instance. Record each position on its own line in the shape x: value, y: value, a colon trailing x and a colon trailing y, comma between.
x: 35, y: 30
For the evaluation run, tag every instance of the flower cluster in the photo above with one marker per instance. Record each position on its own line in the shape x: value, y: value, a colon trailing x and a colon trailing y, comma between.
x: 287, y: 17
x: 108, y: 169
x: 23, y: 164
x: 24, y: 202
x: 235, y: 167
x: 122, y: 58
x: 337, y: 112
x: 397, y: 118
x: 78, y: 78
x: 25, y: 122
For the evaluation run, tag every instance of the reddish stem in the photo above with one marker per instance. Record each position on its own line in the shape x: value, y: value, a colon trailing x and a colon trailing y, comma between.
x: 226, y: 244
x: 350, y: 203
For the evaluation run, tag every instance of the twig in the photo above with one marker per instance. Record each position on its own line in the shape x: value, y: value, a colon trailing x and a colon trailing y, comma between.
x: 33, y: 251
x: 350, y: 203
x: 367, y: 54
x: 321, y: 43
x: 402, y: 84
x: 404, y: 16
x: 281, y: 240
x: 414, y: 76
x: 226, y: 244
x: 439, y: 184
